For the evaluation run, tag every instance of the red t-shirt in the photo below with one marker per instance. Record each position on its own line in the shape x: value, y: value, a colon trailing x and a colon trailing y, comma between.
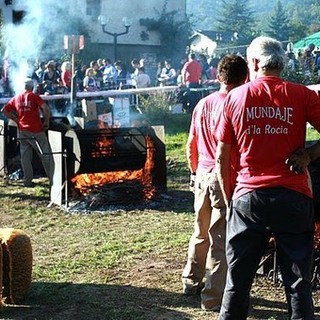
x: 266, y: 120
x: 203, y: 128
x: 192, y: 71
x: 27, y: 107
x: 66, y: 78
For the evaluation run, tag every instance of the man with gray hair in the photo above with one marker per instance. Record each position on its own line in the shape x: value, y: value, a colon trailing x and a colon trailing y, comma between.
x: 265, y: 120
x: 24, y: 109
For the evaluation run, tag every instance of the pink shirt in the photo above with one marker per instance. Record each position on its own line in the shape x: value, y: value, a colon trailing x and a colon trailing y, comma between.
x: 266, y: 120
x: 27, y: 107
x: 203, y: 127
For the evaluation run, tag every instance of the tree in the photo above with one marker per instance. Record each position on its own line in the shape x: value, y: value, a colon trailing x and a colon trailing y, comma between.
x: 174, y: 31
x: 279, y: 23
x: 203, y: 13
x: 302, y: 15
x: 237, y: 18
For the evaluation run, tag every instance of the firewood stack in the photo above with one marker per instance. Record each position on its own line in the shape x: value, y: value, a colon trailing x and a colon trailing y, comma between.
x: 15, y: 265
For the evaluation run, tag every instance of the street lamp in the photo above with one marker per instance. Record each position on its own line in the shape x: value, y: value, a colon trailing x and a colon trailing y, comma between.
x: 103, y: 21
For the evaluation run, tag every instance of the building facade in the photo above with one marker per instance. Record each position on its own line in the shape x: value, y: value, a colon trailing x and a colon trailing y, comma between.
x: 98, y: 44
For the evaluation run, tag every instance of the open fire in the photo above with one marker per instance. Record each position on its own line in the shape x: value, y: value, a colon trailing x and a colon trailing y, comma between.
x: 109, y: 165
x: 86, y: 183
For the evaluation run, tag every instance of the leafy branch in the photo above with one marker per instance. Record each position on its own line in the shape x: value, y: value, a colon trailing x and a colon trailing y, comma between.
x: 174, y: 31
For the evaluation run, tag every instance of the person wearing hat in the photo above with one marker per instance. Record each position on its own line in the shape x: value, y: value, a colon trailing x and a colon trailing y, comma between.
x: 24, y: 109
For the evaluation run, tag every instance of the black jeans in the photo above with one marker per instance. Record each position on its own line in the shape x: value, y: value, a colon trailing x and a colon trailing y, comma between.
x: 193, y: 96
x: 287, y: 216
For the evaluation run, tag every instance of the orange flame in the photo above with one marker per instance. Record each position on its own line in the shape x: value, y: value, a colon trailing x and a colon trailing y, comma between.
x: 104, y: 147
x: 82, y: 182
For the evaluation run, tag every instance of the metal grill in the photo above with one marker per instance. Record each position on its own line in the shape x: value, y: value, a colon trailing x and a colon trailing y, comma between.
x: 86, y: 151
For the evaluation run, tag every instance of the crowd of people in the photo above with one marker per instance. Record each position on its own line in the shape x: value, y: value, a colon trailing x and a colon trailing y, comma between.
x: 53, y: 77
x: 305, y: 63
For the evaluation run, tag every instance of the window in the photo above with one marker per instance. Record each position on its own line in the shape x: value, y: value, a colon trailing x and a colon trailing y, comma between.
x: 93, y: 8
x: 17, y: 16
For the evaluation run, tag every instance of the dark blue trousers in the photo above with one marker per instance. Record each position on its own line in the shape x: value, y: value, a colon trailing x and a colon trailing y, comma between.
x: 193, y: 97
x: 254, y: 217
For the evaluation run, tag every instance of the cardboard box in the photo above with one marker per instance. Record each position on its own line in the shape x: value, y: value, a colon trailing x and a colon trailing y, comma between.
x: 121, y: 112
x: 89, y: 108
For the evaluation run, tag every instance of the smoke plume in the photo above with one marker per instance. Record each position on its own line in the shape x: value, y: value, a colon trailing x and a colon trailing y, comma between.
x: 38, y: 36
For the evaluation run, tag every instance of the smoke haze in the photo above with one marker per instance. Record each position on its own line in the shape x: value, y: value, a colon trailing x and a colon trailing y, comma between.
x: 39, y: 36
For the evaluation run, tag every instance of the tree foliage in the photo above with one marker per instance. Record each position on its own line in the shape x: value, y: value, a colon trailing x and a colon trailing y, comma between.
x: 203, y: 13
x: 237, y: 17
x: 304, y: 16
x: 279, y: 23
x: 174, y: 31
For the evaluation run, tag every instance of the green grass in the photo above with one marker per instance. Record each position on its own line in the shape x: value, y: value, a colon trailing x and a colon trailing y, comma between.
x: 312, y: 134
x: 177, y: 129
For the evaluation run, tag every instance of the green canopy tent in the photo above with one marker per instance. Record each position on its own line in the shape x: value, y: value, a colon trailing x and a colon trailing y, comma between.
x: 305, y: 42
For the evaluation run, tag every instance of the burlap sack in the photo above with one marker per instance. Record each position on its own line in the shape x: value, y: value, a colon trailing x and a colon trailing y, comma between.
x: 16, y: 264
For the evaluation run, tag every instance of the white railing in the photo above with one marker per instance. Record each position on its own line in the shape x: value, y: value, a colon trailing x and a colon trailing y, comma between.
x: 103, y: 93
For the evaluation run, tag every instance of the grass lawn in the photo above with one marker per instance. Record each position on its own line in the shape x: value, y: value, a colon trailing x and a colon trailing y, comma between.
x: 120, y: 264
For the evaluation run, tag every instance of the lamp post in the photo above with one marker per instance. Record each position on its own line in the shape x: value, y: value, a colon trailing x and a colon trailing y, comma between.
x: 127, y: 25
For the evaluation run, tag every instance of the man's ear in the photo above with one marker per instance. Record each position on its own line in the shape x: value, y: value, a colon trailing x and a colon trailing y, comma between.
x: 255, y: 64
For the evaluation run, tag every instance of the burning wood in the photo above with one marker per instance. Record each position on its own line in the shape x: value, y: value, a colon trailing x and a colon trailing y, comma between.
x: 115, y: 193
x: 120, y: 182
x: 104, y: 148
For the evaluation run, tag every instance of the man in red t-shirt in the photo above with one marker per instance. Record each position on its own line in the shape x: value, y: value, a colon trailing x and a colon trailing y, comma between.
x: 191, y: 72
x: 24, y: 109
x: 265, y: 120
x: 206, y: 254
x: 191, y: 77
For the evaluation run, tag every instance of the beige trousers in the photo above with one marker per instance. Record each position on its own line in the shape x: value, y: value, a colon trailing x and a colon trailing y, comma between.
x: 206, y: 253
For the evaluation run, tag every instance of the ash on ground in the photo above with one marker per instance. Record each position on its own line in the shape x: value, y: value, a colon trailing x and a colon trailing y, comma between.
x: 126, y: 198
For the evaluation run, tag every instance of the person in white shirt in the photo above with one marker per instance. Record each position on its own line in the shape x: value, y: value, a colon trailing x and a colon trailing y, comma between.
x: 143, y: 80
x: 109, y: 73
x: 168, y: 74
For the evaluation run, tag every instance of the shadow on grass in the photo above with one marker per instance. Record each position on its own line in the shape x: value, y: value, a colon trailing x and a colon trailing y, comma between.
x: 24, y: 196
x: 68, y: 301
x: 90, y: 301
x: 276, y: 309
x: 15, y: 189
x: 177, y: 200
